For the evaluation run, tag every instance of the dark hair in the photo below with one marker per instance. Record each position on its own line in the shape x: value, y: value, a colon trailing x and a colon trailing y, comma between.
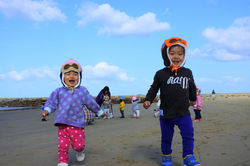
x: 106, y: 88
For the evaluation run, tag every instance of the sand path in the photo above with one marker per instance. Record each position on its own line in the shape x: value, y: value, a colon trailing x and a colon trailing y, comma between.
x: 221, y: 139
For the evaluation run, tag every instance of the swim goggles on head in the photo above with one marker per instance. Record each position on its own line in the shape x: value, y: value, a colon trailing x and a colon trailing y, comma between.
x: 71, y: 66
x: 174, y: 41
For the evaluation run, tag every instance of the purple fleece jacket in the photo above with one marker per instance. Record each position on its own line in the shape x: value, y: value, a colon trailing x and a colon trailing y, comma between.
x: 69, y: 105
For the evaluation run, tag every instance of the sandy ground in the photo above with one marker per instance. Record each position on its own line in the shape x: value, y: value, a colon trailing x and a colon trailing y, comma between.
x: 221, y: 139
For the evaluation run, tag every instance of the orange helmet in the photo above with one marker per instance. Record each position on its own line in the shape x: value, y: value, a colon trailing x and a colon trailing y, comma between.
x: 169, y: 43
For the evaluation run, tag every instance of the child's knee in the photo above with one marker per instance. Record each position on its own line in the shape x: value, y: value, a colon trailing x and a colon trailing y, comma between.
x: 78, y: 147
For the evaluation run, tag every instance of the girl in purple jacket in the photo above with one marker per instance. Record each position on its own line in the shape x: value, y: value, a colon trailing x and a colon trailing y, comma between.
x: 68, y: 100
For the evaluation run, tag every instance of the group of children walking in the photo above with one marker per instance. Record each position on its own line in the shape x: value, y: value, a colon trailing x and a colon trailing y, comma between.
x: 135, y: 107
x: 177, y: 93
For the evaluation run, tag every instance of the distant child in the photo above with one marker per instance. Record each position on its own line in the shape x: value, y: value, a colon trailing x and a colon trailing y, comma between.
x: 135, y: 107
x: 107, y: 107
x: 177, y: 93
x: 198, y: 105
x: 213, y: 94
x: 42, y: 109
x: 158, y: 111
x: 68, y: 101
x: 122, y: 106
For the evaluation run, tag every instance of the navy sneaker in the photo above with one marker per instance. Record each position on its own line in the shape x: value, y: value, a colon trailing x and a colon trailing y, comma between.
x: 190, y: 160
x: 43, y: 119
x: 166, y: 160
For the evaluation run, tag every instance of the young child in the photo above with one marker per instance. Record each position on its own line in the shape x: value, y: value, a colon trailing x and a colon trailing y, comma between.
x: 107, y: 107
x: 177, y: 93
x: 158, y: 111
x: 213, y: 94
x: 122, y: 106
x: 68, y: 101
x: 198, y: 105
x: 42, y: 109
x: 135, y: 107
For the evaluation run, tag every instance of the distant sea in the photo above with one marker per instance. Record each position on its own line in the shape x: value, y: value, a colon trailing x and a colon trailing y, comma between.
x: 15, y: 108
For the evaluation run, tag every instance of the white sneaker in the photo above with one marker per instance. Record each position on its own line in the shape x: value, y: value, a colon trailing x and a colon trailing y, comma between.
x: 62, y: 164
x: 80, y: 156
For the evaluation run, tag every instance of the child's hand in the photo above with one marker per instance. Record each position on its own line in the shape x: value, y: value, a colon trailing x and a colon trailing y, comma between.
x: 146, y: 104
x: 156, y: 114
x: 101, y: 113
x: 192, y: 103
x: 45, y: 113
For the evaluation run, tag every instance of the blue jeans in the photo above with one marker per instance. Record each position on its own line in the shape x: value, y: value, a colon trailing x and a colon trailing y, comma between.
x: 187, y: 133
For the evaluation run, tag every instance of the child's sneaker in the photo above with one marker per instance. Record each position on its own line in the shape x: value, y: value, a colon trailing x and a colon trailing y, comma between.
x: 62, y: 164
x: 43, y: 119
x: 190, y: 160
x: 80, y: 156
x: 157, y: 114
x: 166, y: 160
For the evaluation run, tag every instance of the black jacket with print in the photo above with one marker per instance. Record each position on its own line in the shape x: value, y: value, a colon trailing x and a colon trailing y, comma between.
x: 175, y: 91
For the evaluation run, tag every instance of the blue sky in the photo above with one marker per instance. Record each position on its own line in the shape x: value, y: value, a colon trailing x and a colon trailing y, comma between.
x: 118, y: 43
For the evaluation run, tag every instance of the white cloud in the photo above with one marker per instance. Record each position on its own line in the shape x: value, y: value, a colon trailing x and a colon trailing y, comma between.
x: 207, y: 80
x: 115, y: 22
x: 42, y: 72
x: 101, y: 71
x: 231, y: 43
x: 44, y: 10
x: 105, y: 71
x: 225, y: 80
x: 234, y: 80
x: 194, y: 51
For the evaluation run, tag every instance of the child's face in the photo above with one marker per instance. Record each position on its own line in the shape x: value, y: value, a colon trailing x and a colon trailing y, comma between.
x: 176, y: 55
x: 106, y: 98
x: 71, y: 79
x: 197, y: 91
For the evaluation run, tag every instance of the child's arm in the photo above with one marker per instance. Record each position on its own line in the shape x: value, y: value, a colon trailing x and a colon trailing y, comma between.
x: 199, y: 102
x: 51, y: 104
x: 92, y: 105
x: 192, y: 90
x: 152, y: 92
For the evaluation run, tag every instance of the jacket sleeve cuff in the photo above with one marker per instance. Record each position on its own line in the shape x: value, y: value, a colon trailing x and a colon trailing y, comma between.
x: 48, y: 109
x: 100, y: 112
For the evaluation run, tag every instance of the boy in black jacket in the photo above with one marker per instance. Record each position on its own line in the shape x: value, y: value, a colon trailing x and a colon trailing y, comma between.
x: 177, y: 93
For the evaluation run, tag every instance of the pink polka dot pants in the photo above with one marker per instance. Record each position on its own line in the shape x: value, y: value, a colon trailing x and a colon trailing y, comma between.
x: 66, y: 134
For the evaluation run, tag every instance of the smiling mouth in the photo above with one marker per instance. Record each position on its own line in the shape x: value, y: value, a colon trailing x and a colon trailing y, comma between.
x: 175, y: 62
x: 72, y: 81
